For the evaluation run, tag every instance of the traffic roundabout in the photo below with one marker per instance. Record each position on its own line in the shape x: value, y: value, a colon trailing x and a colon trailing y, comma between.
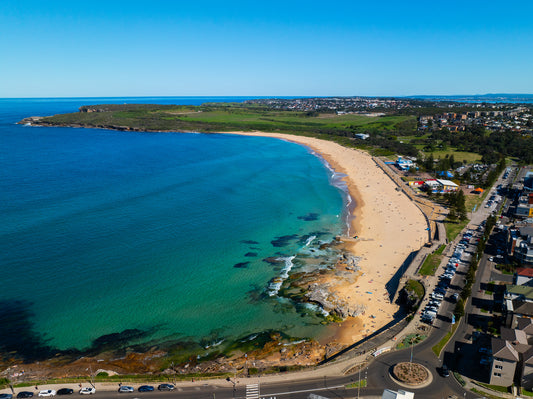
x: 412, y: 375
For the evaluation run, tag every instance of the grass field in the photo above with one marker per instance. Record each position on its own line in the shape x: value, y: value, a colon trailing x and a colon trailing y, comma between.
x: 430, y: 265
x: 459, y: 156
x: 227, y: 117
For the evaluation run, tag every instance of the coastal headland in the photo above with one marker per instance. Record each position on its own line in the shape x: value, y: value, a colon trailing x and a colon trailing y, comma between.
x: 386, y: 228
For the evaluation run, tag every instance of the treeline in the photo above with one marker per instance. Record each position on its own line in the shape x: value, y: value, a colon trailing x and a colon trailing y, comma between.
x: 491, y: 146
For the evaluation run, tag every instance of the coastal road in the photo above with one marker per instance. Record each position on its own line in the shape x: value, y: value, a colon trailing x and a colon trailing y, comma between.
x: 326, y: 387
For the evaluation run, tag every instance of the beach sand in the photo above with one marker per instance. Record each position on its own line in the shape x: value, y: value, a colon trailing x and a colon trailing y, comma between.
x: 389, y: 227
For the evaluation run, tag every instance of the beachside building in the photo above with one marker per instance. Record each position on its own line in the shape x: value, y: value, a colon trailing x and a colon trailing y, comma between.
x: 431, y: 185
x: 505, y: 359
x: 517, y: 303
x: 447, y: 185
x: 440, y: 186
x: 523, y: 276
x: 520, y: 244
x: 513, y: 355
x: 524, y: 209
x: 527, y: 369
x: 404, y: 163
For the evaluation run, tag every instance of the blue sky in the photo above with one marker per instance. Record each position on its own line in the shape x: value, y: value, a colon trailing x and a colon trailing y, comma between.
x: 264, y: 48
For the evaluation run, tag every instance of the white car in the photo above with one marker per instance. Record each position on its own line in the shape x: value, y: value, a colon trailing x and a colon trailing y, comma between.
x: 47, y: 392
x: 87, y: 391
x: 126, y: 389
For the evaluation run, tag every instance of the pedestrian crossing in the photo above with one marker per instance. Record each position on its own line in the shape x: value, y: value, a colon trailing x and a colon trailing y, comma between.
x: 252, y: 391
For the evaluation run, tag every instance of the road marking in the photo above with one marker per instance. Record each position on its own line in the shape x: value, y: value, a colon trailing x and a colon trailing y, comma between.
x: 302, y: 391
x: 252, y: 391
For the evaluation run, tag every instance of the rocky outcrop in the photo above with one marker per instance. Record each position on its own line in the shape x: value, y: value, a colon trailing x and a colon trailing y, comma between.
x: 328, y: 301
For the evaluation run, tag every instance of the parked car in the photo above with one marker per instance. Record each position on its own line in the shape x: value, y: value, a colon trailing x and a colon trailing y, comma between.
x: 6, y: 396
x: 125, y: 389
x: 47, y: 392
x: 166, y: 387
x: 87, y: 391
x: 145, y: 388
x: 455, y: 297
x: 25, y: 394
x: 65, y: 391
x: 486, y: 351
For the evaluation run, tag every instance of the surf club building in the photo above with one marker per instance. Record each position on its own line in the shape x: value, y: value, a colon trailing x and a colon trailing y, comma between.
x: 440, y: 186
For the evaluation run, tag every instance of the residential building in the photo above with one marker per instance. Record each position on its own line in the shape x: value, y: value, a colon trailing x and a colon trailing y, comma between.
x: 504, y: 363
x: 521, y: 245
x: 523, y: 276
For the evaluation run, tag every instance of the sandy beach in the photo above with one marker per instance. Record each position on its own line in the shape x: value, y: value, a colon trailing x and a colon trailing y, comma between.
x: 388, y: 225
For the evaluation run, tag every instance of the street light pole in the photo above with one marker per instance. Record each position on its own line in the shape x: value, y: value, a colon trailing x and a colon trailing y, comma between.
x: 359, y: 383
x: 233, y: 382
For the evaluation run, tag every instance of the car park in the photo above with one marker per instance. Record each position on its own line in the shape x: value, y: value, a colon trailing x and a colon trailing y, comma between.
x: 166, y: 387
x: 87, y: 391
x: 65, y: 391
x: 126, y: 389
x: 145, y: 388
x: 47, y: 392
x: 25, y: 394
x: 454, y: 262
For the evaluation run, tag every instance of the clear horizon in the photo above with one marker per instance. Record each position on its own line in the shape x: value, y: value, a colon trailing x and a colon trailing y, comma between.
x: 239, y: 48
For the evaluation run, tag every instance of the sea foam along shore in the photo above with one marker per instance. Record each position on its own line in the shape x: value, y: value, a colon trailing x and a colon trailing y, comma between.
x: 389, y: 226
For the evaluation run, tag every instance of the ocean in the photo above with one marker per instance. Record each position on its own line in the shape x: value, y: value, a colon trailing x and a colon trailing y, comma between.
x: 154, y: 237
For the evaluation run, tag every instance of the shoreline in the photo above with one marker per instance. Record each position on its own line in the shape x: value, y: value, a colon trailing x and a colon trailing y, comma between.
x: 389, y: 226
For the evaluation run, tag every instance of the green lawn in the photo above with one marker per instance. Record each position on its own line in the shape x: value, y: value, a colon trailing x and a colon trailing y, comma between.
x: 484, y: 394
x: 459, y: 156
x: 453, y: 228
x: 442, y: 343
x: 440, y: 250
x: 356, y: 384
x: 497, y: 388
x: 430, y: 265
x: 416, y: 287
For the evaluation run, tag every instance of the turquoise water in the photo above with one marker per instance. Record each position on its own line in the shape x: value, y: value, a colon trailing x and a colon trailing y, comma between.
x: 104, y: 231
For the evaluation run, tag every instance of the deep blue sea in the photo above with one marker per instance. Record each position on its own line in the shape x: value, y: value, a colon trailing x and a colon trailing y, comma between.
x: 164, y: 233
